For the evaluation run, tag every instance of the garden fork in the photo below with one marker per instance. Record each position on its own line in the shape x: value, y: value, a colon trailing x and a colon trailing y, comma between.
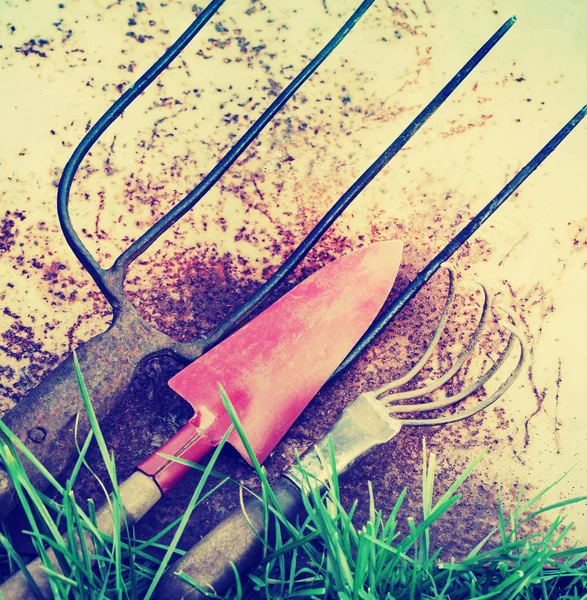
x: 45, y: 417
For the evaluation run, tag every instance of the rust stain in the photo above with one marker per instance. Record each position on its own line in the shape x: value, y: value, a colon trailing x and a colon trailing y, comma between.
x: 8, y: 231
x: 187, y: 284
x: 34, y: 47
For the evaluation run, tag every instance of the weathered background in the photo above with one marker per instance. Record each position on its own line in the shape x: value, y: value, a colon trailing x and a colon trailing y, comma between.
x: 63, y: 64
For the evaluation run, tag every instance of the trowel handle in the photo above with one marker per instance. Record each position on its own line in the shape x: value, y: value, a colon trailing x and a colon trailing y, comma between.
x: 236, y: 540
x: 188, y: 443
x: 360, y: 428
x: 44, y: 419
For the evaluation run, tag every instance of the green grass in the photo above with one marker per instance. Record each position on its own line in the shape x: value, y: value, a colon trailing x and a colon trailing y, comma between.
x: 326, y: 554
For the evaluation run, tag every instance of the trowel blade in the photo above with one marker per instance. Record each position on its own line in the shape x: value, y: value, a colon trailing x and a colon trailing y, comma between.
x: 273, y: 366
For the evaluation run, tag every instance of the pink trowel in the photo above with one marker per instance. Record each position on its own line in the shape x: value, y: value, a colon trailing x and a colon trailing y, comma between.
x: 272, y: 367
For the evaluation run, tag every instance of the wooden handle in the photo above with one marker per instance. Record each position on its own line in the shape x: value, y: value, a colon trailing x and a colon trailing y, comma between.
x: 233, y: 540
x: 188, y: 443
x: 138, y: 494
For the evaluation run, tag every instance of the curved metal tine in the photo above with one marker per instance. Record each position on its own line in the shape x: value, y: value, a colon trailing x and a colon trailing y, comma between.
x: 457, y: 241
x: 153, y: 233
x: 471, y: 389
x: 392, y: 385
x: 515, y: 332
x: 440, y: 381
x: 356, y: 188
x: 113, y: 292
x: 111, y: 280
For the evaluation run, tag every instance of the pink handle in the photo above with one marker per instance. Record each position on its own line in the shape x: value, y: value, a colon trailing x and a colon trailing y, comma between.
x: 188, y: 443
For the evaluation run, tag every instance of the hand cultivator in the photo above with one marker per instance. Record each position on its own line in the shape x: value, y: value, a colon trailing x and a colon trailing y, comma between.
x: 45, y: 418
x: 369, y: 421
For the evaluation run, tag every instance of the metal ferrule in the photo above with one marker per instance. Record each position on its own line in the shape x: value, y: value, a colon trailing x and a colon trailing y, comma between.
x: 363, y: 425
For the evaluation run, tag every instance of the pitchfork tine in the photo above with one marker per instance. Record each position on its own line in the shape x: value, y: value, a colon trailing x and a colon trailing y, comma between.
x: 111, y: 281
x: 360, y: 184
x: 99, y: 275
x: 456, y: 242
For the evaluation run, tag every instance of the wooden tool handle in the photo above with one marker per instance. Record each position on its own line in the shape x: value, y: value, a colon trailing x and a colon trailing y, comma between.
x: 188, y: 443
x: 138, y: 494
x: 232, y: 541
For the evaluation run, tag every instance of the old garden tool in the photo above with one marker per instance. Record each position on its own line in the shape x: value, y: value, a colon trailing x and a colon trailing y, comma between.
x: 325, y: 316
x: 44, y: 418
x: 136, y: 339
x: 327, y: 313
x: 371, y: 420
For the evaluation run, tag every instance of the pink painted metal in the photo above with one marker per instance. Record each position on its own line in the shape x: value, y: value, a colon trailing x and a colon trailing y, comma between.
x: 272, y: 367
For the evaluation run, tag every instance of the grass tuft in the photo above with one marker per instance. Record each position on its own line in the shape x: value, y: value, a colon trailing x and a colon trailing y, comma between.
x: 325, y: 554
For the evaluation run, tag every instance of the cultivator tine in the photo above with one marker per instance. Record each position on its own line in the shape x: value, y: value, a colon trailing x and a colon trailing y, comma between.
x: 391, y: 400
x: 458, y: 363
x: 457, y: 241
x: 392, y: 385
x: 459, y: 416
x: 450, y: 400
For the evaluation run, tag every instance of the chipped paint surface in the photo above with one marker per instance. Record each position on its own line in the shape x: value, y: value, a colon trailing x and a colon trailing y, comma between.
x: 62, y: 65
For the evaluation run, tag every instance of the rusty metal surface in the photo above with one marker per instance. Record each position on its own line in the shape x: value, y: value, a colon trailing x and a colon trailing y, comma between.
x: 64, y: 66
x: 45, y: 419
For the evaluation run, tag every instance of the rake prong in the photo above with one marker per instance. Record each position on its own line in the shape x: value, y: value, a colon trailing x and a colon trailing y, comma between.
x: 392, y: 385
x: 514, y: 334
x: 464, y: 393
x: 440, y: 381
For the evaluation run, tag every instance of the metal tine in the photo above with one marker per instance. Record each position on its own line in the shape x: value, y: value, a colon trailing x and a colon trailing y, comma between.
x: 70, y: 169
x: 458, y: 363
x: 392, y: 385
x: 357, y: 187
x: 111, y: 280
x: 497, y: 394
x: 440, y: 381
x: 140, y: 245
x: 458, y: 240
x: 451, y: 400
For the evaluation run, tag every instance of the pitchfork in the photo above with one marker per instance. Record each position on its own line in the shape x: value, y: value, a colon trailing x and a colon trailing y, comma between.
x: 46, y: 416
